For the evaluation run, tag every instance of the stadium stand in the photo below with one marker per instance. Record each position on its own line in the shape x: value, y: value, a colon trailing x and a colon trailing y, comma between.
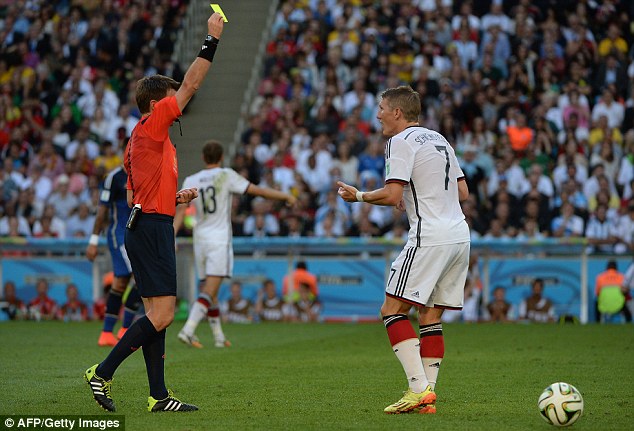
x: 535, y: 96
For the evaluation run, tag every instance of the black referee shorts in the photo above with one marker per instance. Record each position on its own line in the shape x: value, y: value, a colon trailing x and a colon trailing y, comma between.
x: 151, y: 250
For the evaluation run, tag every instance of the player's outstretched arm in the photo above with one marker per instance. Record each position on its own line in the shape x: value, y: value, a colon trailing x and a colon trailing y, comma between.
x: 268, y: 193
x: 100, y: 221
x: 199, y: 68
x: 389, y: 195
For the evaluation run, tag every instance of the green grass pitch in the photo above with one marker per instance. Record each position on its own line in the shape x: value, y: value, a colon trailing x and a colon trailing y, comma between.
x: 328, y: 376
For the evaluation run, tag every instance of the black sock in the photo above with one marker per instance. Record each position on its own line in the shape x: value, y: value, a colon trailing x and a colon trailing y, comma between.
x: 138, y: 334
x: 113, y: 306
x: 154, y: 355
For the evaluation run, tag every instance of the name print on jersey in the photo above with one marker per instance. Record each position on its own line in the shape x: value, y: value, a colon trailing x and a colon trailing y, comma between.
x: 425, y: 137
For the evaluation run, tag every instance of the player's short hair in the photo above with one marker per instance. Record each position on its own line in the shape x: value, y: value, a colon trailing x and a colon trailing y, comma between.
x: 153, y: 87
x: 404, y: 98
x: 212, y: 152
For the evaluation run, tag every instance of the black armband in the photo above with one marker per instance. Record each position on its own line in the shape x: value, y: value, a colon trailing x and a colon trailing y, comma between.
x: 208, y: 49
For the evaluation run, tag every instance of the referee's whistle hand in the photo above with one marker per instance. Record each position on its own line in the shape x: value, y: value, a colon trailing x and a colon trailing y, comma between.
x: 186, y: 195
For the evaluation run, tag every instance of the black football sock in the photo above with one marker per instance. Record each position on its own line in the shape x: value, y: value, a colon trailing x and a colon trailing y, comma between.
x: 138, y: 334
x: 113, y: 305
x: 154, y: 355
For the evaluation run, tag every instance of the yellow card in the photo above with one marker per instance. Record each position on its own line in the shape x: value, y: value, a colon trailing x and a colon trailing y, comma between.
x: 218, y: 9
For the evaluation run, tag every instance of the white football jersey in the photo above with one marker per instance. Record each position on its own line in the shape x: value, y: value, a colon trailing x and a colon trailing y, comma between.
x: 424, y: 162
x: 213, y: 205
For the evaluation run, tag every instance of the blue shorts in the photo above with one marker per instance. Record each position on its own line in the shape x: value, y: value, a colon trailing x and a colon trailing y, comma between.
x: 120, y: 261
x: 150, y: 247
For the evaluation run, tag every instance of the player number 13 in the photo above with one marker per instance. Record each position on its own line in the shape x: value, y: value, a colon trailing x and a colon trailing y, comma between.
x: 208, y: 195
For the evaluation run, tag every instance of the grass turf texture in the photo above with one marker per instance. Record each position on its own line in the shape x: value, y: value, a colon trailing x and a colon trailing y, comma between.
x: 328, y: 376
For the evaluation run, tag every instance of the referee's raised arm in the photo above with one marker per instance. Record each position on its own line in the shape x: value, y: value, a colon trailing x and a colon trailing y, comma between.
x: 199, y: 68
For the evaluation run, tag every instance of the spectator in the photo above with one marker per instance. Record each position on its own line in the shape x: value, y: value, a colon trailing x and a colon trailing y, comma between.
x: 73, y: 310
x: 42, y: 307
x: 625, y: 231
x: 270, y: 305
x: 261, y: 222
x: 41, y: 185
x: 122, y: 125
x: 373, y: 159
x: 496, y: 17
x: 347, y: 163
x: 613, y: 43
x: 317, y: 178
x: 603, y: 132
x: 601, y: 232
x: 80, y: 224
x: 339, y: 211
x: 567, y: 224
x: 82, y: 140
x: 307, y: 308
x: 49, y: 225
x: 465, y: 48
x: 607, y: 106
x: 62, y: 199
x: 604, y: 155
x: 611, y: 73
x: 500, y: 310
x: 13, y: 225
x: 626, y: 168
x: 576, y: 117
x: 46, y: 159
x: 237, y: 309
x: 10, y: 304
x: 537, y: 308
x: 475, y: 175
x: 465, y: 17
x: 109, y: 157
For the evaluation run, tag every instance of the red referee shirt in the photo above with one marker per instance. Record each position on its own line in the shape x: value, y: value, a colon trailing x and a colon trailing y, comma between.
x: 150, y: 160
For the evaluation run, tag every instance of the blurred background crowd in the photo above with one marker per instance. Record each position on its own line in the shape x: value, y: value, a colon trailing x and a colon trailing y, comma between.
x: 535, y: 96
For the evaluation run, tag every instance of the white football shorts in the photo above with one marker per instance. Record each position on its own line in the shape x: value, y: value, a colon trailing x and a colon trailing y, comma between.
x: 213, y: 259
x: 432, y: 276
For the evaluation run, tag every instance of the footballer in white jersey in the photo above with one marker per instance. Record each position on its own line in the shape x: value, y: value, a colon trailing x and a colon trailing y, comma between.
x: 422, y: 177
x: 213, y: 250
x: 212, y: 231
x: 424, y: 162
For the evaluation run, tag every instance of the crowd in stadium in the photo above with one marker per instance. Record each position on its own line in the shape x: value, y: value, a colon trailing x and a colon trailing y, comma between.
x: 536, y: 97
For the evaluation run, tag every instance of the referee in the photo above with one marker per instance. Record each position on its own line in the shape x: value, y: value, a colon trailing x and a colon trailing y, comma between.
x: 150, y: 160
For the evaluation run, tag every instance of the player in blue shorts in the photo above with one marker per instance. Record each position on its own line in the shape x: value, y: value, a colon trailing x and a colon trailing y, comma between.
x: 113, y: 201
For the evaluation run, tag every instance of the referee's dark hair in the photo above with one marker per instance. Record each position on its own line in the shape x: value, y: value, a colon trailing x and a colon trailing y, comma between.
x: 153, y: 88
x: 212, y: 152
